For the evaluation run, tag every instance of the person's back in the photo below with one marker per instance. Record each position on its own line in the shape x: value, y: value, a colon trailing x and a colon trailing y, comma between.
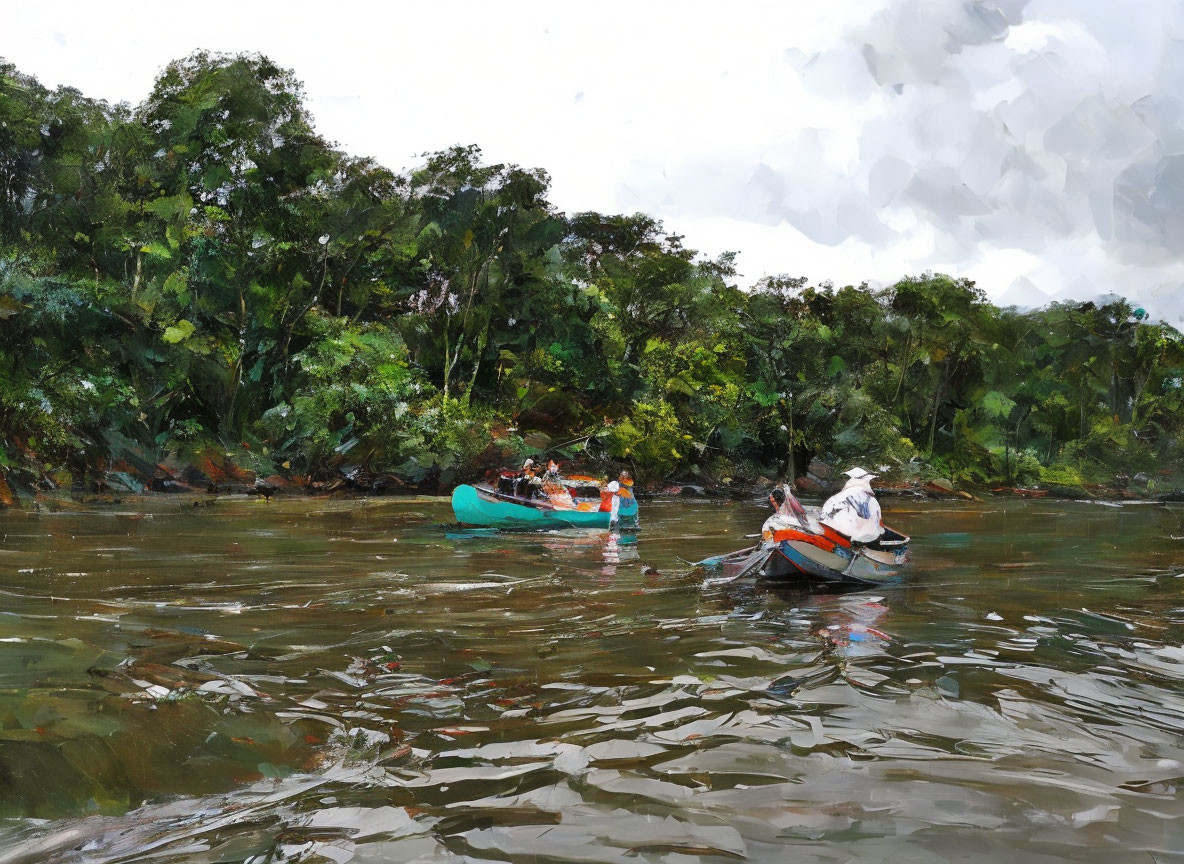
x: 854, y: 511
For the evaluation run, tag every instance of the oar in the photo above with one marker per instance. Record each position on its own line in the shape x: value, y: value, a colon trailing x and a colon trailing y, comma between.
x: 717, y: 560
x: 748, y: 559
x: 754, y: 561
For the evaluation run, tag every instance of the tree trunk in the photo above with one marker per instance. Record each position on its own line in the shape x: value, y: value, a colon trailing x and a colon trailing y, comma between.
x: 904, y: 367
x: 787, y: 413
x: 1113, y: 389
x: 447, y: 363
x: 139, y: 269
x: 481, y: 343
x: 793, y: 468
x: 933, y: 410
x: 236, y: 369
x: 1137, y: 396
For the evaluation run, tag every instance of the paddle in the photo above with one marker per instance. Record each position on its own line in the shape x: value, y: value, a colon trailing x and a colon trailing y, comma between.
x: 753, y: 562
x: 747, y: 559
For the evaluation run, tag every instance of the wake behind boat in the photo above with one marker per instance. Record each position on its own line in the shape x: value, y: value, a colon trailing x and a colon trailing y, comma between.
x: 581, y: 502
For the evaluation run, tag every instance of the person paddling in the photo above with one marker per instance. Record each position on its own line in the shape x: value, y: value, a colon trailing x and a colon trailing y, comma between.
x: 854, y: 511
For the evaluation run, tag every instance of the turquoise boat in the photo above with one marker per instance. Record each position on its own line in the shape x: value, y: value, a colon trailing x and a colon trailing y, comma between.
x: 484, y: 506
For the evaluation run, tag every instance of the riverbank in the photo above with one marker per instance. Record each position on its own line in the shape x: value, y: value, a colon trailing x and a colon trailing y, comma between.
x: 131, y: 469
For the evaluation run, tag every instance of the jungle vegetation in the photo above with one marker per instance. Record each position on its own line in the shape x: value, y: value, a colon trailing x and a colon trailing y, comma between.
x: 205, y: 270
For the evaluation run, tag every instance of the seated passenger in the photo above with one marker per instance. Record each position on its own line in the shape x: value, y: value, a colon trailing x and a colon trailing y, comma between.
x: 617, y: 491
x: 551, y: 478
x: 524, y: 486
x: 854, y: 511
x: 553, y: 488
x: 788, y: 512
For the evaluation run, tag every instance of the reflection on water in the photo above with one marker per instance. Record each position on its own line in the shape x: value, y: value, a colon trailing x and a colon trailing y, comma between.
x: 346, y: 680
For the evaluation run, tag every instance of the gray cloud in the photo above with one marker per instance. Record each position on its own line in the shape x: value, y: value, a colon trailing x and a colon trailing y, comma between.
x: 1039, y: 142
x: 1034, y: 145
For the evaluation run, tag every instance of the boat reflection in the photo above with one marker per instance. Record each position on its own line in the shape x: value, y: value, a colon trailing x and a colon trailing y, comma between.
x: 853, y: 626
x: 618, y: 549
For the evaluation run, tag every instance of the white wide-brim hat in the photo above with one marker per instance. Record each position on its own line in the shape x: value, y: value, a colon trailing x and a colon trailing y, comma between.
x: 859, y: 474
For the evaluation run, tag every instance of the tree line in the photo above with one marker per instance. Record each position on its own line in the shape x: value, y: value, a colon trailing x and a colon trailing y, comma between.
x: 205, y: 270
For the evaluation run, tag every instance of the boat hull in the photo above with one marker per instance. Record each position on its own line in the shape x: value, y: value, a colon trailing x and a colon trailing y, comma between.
x: 472, y: 506
x: 830, y: 557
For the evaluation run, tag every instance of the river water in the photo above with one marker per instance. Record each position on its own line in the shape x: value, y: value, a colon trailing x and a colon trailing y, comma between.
x: 232, y: 680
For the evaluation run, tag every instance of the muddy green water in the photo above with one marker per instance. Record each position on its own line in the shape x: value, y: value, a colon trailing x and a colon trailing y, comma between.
x: 312, y: 680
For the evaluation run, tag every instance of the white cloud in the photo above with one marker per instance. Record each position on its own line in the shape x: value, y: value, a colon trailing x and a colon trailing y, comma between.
x: 1034, y: 145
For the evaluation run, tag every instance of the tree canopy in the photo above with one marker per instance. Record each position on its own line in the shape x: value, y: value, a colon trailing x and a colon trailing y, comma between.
x: 205, y: 270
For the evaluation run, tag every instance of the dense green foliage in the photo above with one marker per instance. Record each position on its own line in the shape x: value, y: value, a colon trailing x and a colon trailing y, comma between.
x: 205, y: 270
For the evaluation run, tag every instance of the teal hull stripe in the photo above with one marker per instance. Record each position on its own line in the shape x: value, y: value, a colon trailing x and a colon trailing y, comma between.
x: 471, y: 509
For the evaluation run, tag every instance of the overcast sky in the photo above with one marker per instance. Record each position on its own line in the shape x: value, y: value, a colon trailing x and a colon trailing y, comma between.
x: 1036, y: 146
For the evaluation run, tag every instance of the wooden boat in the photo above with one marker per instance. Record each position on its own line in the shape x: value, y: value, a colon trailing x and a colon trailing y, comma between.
x: 584, y: 504
x: 828, y: 556
x: 813, y: 552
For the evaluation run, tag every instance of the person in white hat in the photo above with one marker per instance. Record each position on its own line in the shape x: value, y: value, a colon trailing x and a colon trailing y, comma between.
x: 855, y: 511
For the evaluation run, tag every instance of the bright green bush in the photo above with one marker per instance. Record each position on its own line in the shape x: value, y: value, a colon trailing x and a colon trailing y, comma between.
x: 651, y: 439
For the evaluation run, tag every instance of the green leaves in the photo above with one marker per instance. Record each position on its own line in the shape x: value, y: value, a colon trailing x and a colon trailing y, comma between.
x: 157, y: 250
x: 995, y: 404
x: 177, y: 285
x: 171, y: 207
x: 679, y: 384
x: 178, y: 332
x: 214, y: 176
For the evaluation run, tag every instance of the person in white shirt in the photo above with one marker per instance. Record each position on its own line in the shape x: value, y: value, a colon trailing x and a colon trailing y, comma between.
x: 620, y: 488
x: 854, y: 511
